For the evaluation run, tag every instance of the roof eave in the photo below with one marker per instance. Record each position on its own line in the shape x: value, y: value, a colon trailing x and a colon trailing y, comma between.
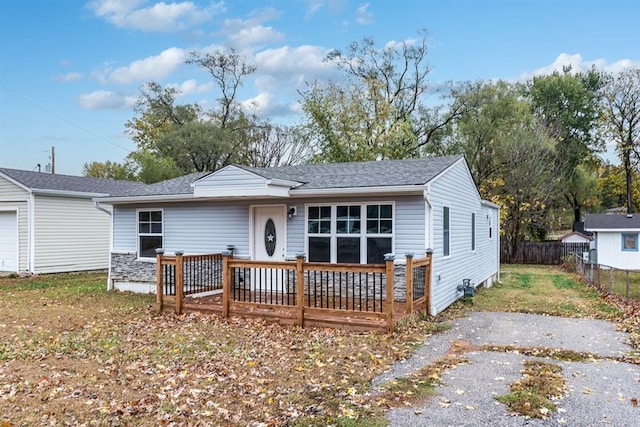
x: 49, y: 192
x: 186, y: 197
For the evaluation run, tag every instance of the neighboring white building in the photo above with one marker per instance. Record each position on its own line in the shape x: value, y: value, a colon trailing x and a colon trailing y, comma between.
x: 576, y: 237
x: 345, y: 212
x: 49, y: 223
x: 616, y: 239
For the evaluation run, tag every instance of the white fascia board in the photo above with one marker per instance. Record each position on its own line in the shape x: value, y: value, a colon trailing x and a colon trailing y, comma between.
x: 63, y: 193
x: 145, y: 199
x: 361, y: 191
x: 489, y: 204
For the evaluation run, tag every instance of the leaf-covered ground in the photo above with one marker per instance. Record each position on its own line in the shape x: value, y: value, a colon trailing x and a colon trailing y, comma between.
x: 73, y: 354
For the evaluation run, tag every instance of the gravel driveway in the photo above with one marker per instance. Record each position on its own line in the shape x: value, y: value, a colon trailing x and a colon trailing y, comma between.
x: 599, y: 391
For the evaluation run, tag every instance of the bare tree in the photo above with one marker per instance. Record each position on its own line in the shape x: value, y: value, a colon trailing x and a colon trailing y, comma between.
x: 622, y: 121
x: 228, y: 69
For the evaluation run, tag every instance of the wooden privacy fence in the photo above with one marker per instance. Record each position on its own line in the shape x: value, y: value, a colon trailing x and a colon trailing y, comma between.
x: 354, y: 296
x: 547, y: 253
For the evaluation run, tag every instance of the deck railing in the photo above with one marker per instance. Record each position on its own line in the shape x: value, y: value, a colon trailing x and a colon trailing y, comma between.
x: 418, y: 276
x: 298, y: 292
x: 181, y: 275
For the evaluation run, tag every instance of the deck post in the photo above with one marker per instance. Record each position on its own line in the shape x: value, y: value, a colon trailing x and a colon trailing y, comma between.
x: 409, y: 280
x: 159, y: 278
x: 226, y: 283
x: 388, y: 259
x: 428, y: 281
x: 300, y: 289
x: 179, y: 281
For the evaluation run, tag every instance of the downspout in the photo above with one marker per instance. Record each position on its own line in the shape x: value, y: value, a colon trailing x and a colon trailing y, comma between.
x: 428, y: 225
x: 96, y: 204
x: 498, y: 244
x: 31, y: 245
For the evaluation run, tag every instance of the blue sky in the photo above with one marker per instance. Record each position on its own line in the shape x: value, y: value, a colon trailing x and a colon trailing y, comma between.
x: 71, y: 70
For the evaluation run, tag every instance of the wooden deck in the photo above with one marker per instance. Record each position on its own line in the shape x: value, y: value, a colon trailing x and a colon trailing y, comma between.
x: 343, y: 296
x: 286, y: 314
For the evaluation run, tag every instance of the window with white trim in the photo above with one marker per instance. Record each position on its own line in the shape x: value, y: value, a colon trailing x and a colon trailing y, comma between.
x: 446, y: 231
x: 629, y: 242
x: 149, y: 232
x: 350, y: 233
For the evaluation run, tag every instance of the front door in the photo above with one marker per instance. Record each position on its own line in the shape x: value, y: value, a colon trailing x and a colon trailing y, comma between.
x: 269, y: 242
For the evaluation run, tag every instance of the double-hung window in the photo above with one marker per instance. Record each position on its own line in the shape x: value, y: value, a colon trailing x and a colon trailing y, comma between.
x: 149, y: 232
x: 350, y: 233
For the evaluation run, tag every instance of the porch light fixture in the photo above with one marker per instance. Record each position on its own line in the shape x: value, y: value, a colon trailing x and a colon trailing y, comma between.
x: 291, y: 212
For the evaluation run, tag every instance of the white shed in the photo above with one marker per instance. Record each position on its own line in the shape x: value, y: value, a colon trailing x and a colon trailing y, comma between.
x: 49, y: 223
x: 617, y: 239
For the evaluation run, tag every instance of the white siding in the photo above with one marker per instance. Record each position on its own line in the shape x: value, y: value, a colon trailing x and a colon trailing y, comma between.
x: 15, y: 198
x: 70, y: 234
x: 124, y: 229
x: 206, y: 227
x: 455, y: 189
x: 228, y: 178
x: 610, y: 253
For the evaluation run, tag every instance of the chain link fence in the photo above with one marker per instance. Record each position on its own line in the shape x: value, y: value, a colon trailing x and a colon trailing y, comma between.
x: 624, y: 283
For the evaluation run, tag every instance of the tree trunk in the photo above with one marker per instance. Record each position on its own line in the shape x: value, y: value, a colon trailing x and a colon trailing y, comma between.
x: 629, y: 172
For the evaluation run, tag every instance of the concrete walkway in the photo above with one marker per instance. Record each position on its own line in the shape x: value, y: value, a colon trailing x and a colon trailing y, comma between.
x: 599, y: 391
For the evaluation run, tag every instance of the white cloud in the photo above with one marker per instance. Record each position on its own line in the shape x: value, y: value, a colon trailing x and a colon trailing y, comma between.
x: 157, y: 17
x: 363, y: 16
x: 288, y: 60
x: 106, y: 100
x: 579, y: 64
x: 69, y: 77
x: 246, y: 33
x: 191, y: 87
x: 265, y: 104
x: 150, y: 68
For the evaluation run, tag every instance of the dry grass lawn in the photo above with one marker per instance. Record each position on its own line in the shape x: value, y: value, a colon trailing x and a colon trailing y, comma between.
x: 72, y: 353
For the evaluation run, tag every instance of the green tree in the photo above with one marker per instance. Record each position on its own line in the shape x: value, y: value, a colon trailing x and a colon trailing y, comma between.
x: 568, y: 106
x: 491, y: 111
x: 150, y: 168
x: 379, y: 109
x: 612, y: 184
x: 157, y: 112
x: 621, y: 100
x: 109, y: 170
x: 526, y: 185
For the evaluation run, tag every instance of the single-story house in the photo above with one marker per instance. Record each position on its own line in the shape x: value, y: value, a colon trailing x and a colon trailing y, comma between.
x: 576, y: 237
x: 337, y: 213
x: 49, y: 224
x: 616, y: 239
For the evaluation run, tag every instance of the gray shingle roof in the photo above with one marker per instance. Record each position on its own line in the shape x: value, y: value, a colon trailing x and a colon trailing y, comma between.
x: 324, y: 175
x: 81, y: 184
x: 175, y: 186
x: 360, y: 174
x: 611, y: 221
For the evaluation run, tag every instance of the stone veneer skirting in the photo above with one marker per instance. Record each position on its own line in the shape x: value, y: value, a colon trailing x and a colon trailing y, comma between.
x: 127, y: 269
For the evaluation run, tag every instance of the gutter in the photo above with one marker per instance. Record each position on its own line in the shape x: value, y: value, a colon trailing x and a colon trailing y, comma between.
x: 96, y: 204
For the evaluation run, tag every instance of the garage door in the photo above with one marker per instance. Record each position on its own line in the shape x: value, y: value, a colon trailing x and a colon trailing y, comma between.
x: 8, y: 241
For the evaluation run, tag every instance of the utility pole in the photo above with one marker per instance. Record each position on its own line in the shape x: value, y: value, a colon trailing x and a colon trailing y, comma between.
x: 53, y: 160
